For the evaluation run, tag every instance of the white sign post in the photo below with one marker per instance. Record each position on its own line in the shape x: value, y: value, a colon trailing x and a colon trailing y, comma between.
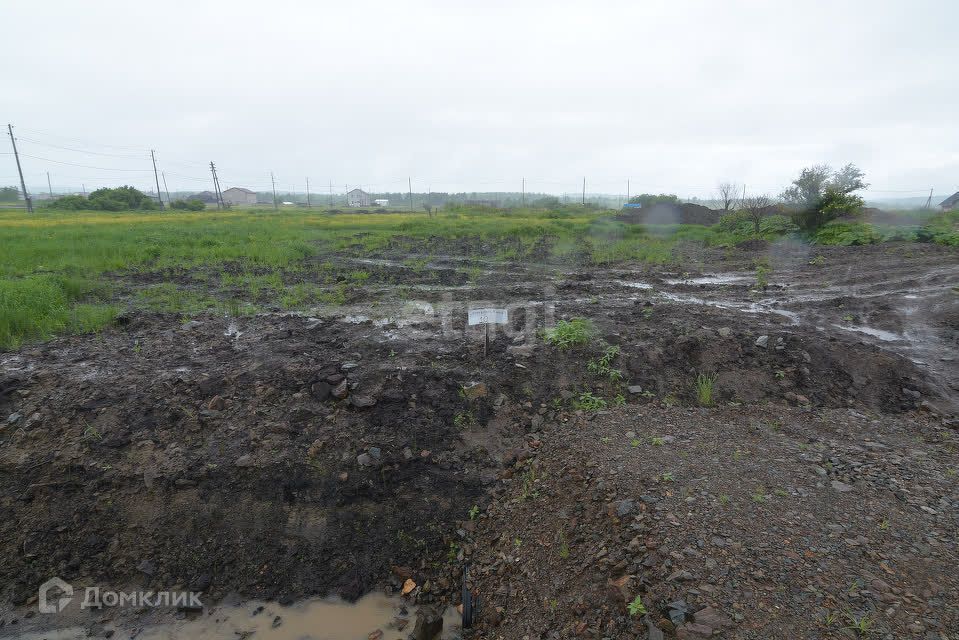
x: 487, y: 317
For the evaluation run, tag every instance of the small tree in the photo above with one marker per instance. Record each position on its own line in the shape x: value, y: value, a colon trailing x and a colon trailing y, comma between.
x: 820, y: 194
x: 9, y: 194
x: 756, y: 208
x: 727, y: 194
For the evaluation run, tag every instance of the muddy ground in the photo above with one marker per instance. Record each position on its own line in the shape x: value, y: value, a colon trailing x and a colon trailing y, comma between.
x: 339, y: 451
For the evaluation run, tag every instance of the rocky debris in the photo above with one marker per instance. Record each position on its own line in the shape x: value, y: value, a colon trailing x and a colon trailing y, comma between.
x: 634, y: 389
x: 246, y: 460
x: 341, y: 390
x: 362, y: 401
x: 725, y: 332
x: 429, y: 624
x: 841, y: 487
x: 762, y: 341
x: 216, y: 403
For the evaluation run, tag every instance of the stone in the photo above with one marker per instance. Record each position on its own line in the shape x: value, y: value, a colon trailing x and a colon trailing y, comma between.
x: 341, y: 390
x: 635, y: 389
x: 725, y: 332
x: 429, y: 624
x: 216, y: 403
x: 625, y: 507
x: 693, y: 631
x: 364, y: 460
x: 712, y: 617
x: 841, y: 487
x: 362, y: 401
x: 13, y: 417
x: 321, y: 391
x: 520, y: 350
x: 762, y: 341
x: 244, y: 461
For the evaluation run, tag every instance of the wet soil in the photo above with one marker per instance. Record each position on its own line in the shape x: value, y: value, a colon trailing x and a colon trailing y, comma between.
x: 334, y: 452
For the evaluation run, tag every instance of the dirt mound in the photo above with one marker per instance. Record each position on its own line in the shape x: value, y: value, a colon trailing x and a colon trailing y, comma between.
x: 685, y: 213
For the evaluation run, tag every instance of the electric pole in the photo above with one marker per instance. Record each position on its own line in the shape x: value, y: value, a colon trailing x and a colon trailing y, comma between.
x: 216, y: 187
x: 165, y: 188
x: 524, y: 192
x: 331, y: 195
x: 307, y: 193
x: 84, y: 188
x: 49, y: 186
x: 156, y: 177
x: 929, y: 201
x: 410, y: 182
x: 627, y: 190
x: 273, y: 180
x: 584, y: 191
x: 23, y: 185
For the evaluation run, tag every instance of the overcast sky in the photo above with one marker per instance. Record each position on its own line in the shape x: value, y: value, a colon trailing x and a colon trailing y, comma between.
x: 674, y: 96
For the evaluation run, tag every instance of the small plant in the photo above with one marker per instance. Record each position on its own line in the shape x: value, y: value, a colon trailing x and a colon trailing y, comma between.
x: 563, y: 547
x: 474, y: 512
x: 818, y: 260
x: 861, y: 625
x: 724, y: 499
x: 704, y: 388
x: 517, y: 543
x: 884, y: 524
x: 762, y: 275
x: 847, y: 318
x: 830, y: 618
x: 453, y: 552
x: 570, y: 333
x: 529, y: 484
x: 782, y: 493
x: 636, y: 607
x: 668, y: 477
x: 588, y: 402
x: 464, y: 420
x: 780, y: 374
x: 657, y: 441
x: 759, y: 495
x: 634, y: 442
x: 647, y: 313
x: 619, y: 400
x: 137, y: 347
x: 602, y: 366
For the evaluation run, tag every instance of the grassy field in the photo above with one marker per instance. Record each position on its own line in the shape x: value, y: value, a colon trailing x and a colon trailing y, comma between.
x: 59, y: 270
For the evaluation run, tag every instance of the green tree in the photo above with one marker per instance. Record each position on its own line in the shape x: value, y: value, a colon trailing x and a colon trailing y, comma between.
x: 820, y: 194
x: 649, y: 199
x: 9, y: 194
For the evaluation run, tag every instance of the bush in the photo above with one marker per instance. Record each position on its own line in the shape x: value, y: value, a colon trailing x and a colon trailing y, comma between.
x: 570, y: 333
x: 120, y: 199
x: 192, y: 204
x: 69, y: 203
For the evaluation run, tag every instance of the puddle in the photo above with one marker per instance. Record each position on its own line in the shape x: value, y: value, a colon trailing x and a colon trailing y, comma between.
x: 713, y: 278
x: 320, y: 619
x: 886, y: 336
x: 637, y: 285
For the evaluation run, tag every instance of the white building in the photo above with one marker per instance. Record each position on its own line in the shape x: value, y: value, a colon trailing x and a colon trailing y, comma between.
x: 357, y: 198
x: 381, y: 202
x: 239, y: 195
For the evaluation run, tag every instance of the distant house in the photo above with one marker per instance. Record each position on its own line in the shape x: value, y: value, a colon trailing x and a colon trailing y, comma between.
x: 206, y: 197
x: 239, y: 195
x: 950, y: 203
x: 357, y: 198
x: 381, y: 202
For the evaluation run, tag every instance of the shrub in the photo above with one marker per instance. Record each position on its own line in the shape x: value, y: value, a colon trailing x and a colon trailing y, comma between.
x: 192, y: 204
x: 68, y: 203
x: 570, y: 333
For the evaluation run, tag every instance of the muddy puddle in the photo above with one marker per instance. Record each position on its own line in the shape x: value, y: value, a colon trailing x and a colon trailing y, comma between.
x: 318, y: 619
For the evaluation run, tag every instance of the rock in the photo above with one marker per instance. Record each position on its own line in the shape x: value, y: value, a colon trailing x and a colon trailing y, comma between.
x: 216, y: 403
x: 678, y: 611
x: 520, y: 350
x: 13, y: 417
x: 348, y: 366
x: 375, y: 635
x: 335, y: 378
x: 635, y: 389
x: 277, y: 621
x: 725, y: 332
x: 362, y: 401
x: 429, y: 624
x: 321, y: 391
x: 146, y: 566
x: 244, y: 461
x: 375, y: 452
x: 341, y: 390
x: 693, y: 631
x: 762, y: 341
x: 475, y: 390
x: 654, y: 632
x: 364, y: 460
x: 625, y: 507
x: 841, y: 487
x: 712, y: 617
x: 819, y: 471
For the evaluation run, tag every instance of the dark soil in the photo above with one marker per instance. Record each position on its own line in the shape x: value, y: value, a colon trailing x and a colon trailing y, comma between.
x: 285, y: 456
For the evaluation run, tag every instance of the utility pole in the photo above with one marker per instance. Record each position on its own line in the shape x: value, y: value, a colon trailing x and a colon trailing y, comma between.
x: 273, y: 181
x: 410, y: 182
x: 524, y: 192
x: 584, y: 191
x: 331, y: 194
x: 23, y: 185
x: 165, y: 188
x: 216, y: 187
x: 627, y: 190
x: 929, y: 201
x: 49, y: 186
x: 156, y: 177
x: 307, y: 193
x: 84, y: 188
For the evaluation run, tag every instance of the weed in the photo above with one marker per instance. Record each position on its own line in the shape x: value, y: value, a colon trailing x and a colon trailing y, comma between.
x: 474, y: 512
x: 830, y: 618
x: 634, y: 442
x: 602, y: 366
x: 782, y: 493
x: 724, y: 499
x: 636, y: 607
x: 619, y: 400
x: 861, y: 625
x: 704, y: 388
x: 530, y: 492
x: 762, y: 274
x: 884, y: 524
x: 657, y: 441
x: 780, y: 374
x: 563, y: 547
x: 759, y: 495
x: 588, y: 402
x: 570, y: 333
x: 647, y: 313
x: 668, y: 477
x: 847, y: 318
x: 464, y: 420
x: 818, y: 260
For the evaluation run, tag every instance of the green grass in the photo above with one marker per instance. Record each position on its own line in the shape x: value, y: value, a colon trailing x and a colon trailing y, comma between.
x: 570, y: 333
x: 704, y: 389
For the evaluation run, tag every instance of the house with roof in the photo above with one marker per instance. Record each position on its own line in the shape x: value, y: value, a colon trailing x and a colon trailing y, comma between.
x: 950, y: 203
x: 357, y: 198
x: 239, y: 195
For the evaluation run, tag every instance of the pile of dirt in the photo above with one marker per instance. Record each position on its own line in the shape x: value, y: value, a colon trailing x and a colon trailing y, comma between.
x: 684, y: 213
x: 740, y: 523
